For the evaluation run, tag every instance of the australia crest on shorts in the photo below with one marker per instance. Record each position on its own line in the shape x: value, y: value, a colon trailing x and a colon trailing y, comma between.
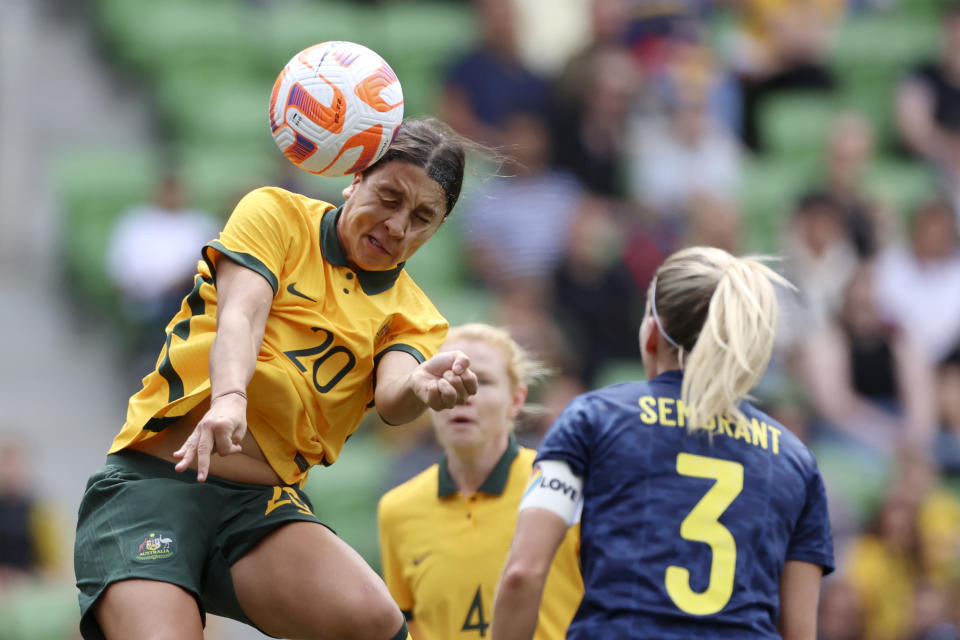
x: 155, y: 545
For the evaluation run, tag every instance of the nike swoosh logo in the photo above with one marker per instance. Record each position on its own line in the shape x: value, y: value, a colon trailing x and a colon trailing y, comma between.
x: 291, y: 289
x: 418, y: 559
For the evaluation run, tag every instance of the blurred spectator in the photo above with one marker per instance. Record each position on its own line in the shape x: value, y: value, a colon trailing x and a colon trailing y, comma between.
x: 849, y: 150
x: 694, y: 69
x: 928, y: 100
x: 30, y: 539
x: 783, y: 46
x: 609, y: 20
x: 546, y: 45
x: 840, y: 616
x: 937, y: 514
x: 657, y: 27
x: 689, y: 155
x: 489, y: 81
x: 930, y: 615
x: 820, y: 259
x: 917, y: 287
x: 910, y: 560
x: 864, y: 377
x: 516, y: 228
x: 152, y: 257
x: 714, y: 222
x: 597, y: 302
x: 947, y: 449
x: 883, y: 566
x: 589, y: 136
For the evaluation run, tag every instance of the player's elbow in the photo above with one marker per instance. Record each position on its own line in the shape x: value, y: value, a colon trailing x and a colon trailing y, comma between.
x: 521, y: 575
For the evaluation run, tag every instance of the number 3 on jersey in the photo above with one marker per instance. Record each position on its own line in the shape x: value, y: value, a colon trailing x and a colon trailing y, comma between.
x: 702, y: 524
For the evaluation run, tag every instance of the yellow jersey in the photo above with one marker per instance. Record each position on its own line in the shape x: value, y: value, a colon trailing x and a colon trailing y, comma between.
x: 443, y: 552
x: 327, y: 328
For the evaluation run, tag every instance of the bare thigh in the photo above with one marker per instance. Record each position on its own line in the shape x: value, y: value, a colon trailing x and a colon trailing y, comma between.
x: 148, y: 609
x: 304, y: 582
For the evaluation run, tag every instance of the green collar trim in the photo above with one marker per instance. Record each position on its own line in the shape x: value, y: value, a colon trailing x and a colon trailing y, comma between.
x: 495, y: 483
x: 372, y: 282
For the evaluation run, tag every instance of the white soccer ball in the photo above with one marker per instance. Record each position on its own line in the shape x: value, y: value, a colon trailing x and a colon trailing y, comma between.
x: 335, y: 108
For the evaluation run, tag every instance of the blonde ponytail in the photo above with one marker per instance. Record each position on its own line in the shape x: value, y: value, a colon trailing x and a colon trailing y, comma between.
x: 722, y: 310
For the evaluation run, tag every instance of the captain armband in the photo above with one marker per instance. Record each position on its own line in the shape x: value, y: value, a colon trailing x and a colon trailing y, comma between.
x: 554, y: 487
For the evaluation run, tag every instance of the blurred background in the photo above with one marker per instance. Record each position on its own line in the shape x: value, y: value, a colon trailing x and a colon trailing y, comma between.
x: 826, y: 132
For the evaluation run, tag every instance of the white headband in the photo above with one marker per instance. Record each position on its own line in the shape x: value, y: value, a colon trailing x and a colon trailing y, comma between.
x: 656, y: 318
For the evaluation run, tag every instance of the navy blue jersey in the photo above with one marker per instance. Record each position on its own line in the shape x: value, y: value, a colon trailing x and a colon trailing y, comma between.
x: 685, y: 534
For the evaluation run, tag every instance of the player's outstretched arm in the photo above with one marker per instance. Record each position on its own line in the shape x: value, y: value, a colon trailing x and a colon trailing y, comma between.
x: 537, y: 537
x: 405, y: 388
x: 799, y: 597
x: 244, y: 298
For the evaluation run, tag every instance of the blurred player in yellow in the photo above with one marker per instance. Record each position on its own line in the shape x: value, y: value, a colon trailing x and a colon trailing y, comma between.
x: 301, y: 319
x: 445, y: 533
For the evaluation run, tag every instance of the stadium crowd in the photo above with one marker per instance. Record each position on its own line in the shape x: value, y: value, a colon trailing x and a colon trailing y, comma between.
x: 662, y: 124
x: 640, y: 143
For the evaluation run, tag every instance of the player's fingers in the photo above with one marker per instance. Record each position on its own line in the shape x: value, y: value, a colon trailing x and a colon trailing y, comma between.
x: 224, y: 443
x: 470, y: 382
x: 457, y: 383
x: 237, y: 434
x: 448, y: 395
x: 186, y: 452
x: 204, y: 449
x: 461, y: 362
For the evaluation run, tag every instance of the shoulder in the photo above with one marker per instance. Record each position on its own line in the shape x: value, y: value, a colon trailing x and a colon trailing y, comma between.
x: 417, y: 490
x: 407, y: 287
x: 415, y: 306
x: 788, y: 443
x: 280, y: 200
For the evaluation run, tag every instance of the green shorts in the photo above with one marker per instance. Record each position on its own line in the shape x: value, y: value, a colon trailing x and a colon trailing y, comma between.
x: 140, y: 518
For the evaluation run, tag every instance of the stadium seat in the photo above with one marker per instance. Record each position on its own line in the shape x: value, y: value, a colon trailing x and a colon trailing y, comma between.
x: 152, y: 36
x: 429, y: 32
x: 770, y: 188
x: 216, y: 176
x: 286, y: 28
x: 204, y: 107
x: 875, y: 43
x: 796, y: 123
x: 902, y: 184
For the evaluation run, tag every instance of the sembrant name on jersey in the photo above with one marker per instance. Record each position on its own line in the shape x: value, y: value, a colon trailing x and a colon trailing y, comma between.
x: 671, y: 412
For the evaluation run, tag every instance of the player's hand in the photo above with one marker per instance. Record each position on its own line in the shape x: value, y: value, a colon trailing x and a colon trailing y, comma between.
x: 219, y: 431
x: 445, y: 380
